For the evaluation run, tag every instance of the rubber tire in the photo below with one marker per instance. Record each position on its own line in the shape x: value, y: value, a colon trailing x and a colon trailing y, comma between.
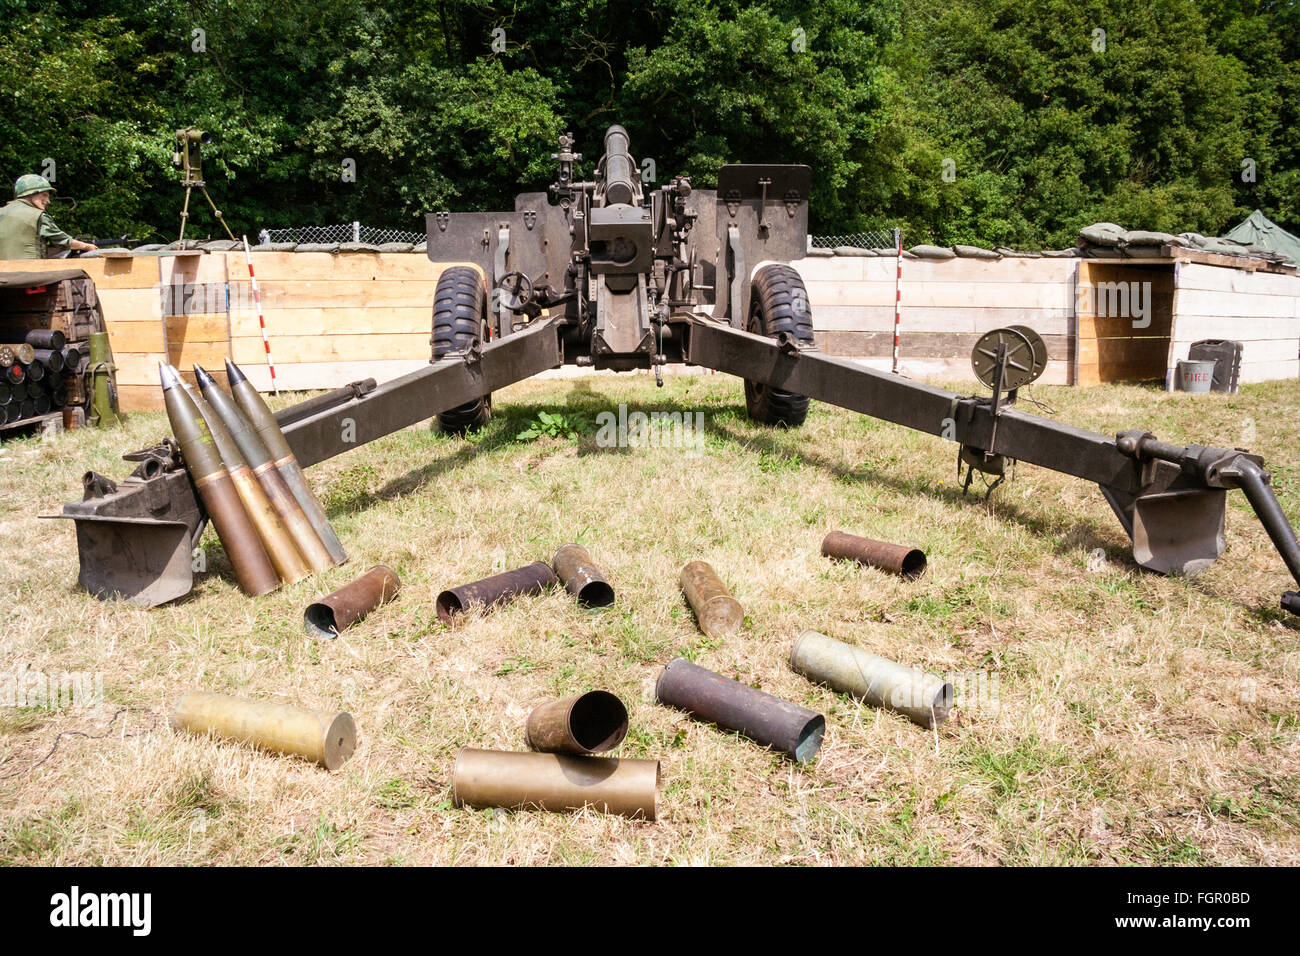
x: 460, y: 317
x: 778, y: 302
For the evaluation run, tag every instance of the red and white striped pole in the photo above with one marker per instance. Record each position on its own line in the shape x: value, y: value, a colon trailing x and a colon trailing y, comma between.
x: 898, y: 292
x: 261, y: 319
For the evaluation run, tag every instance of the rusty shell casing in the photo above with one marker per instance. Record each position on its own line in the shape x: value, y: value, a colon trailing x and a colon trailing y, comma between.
x: 263, y: 468
x: 50, y: 358
x: 580, y: 577
x: 898, y: 558
x: 335, y: 613
x: 285, y: 556
x: 252, y: 566
x: 718, y: 613
x: 785, y: 727
x: 319, y: 736
x: 920, y: 697
x: 22, y: 352
x: 556, y: 782
x: 46, y: 339
x: 530, y: 579
x: 263, y: 421
x: 586, y: 724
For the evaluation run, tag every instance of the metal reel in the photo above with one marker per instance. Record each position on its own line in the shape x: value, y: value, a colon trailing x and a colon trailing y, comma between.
x: 1026, y: 357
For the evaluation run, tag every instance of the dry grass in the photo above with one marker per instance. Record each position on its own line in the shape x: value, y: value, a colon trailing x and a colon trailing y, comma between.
x: 1140, y: 719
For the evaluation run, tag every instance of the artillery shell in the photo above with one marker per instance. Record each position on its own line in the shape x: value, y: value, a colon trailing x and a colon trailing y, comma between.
x: 319, y: 736
x: 556, y: 782
x: 580, y: 577
x: 336, y: 612
x: 46, y: 339
x: 263, y: 421
x: 793, y: 730
x: 271, y: 529
x: 259, y: 462
x: 74, y: 356
x: 22, y: 352
x: 35, y: 371
x: 51, y: 359
x: 7, y: 356
x: 212, y: 481
x: 493, y: 590
x: 718, y: 613
x: 922, y: 698
x: 586, y: 724
x: 898, y: 558
x: 15, y: 374
x: 6, y: 392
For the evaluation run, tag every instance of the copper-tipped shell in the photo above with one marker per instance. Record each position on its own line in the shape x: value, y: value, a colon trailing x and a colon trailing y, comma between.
x: 586, y: 724
x: 336, y: 612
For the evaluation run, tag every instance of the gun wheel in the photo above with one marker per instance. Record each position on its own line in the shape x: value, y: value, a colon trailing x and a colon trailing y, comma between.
x: 778, y: 303
x: 459, y: 319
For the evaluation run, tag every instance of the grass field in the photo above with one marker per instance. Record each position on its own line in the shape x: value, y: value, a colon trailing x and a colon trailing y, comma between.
x: 1110, y: 715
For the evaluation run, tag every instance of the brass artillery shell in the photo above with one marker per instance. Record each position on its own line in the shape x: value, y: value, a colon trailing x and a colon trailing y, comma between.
x: 586, y: 724
x: 880, y: 682
x: 493, y: 590
x: 319, y: 736
x: 263, y: 421
x: 275, y: 537
x: 22, y: 352
x: 793, y: 730
x: 898, y: 558
x: 718, y: 613
x: 580, y: 577
x: 557, y: 782
x: 336, y: 612
x: 252, y: 567
x: 259, y: 462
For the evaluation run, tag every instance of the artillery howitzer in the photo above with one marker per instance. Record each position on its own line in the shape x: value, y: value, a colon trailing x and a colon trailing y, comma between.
x: 608, y: 274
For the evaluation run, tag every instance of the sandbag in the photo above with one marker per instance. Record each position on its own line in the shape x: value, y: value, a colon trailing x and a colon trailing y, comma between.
x: 975, y: 252
x: 1071, y: 253
x: 1139, y: 237
x: 1017, y: 253
x: 396, y: 246
x: 932, y: 252
x: 1103, y: 234
x: 1194, y: 240
x: 358, y: 247
x: 819, y: 253
x: 316, y: 247
x: 852, y: 251
x: 220, y: 245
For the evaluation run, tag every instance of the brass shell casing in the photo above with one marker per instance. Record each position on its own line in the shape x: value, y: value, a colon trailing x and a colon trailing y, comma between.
x: 557, y: 782
x: 317, y: 735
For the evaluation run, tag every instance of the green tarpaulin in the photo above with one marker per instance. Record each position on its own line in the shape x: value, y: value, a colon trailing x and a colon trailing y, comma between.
x: 1258, y: 230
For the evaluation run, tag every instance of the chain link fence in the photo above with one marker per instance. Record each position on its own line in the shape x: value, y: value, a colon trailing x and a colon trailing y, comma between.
x: 345, y: 232
x: 871, y: 239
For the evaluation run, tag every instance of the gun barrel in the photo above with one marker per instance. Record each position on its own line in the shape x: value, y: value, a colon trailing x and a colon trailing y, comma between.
x: 620, y: 175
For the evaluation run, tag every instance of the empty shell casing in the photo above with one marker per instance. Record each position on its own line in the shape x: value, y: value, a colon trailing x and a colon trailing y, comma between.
x: 898, y: 558
x: 922, y: 698
x: 324, y: 738
x: 558, y: 782
x: 586, y: 724
x: 580, y: 577
x: 718, y: 613
x: 336, y: 612
x: 530, y: 579
x: 793, y: 730
x: 46, y: 339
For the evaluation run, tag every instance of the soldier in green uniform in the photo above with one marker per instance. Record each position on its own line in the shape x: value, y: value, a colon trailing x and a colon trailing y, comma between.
x: 26, y: 230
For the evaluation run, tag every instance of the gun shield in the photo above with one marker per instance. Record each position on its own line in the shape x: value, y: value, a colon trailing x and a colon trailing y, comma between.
x: 793, y: 730
x: 319, y: 736
x: 581, y: 578
x: 718, y: 613
x: 586, y: 724
x: 898, y: 558
x: 263, y: 420
x: 493, y: 590
x: 920, y: 697
x: 336, y: 612
x: 556, y: 782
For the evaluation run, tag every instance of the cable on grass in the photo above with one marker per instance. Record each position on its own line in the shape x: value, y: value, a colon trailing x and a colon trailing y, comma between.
x: 82, y: 733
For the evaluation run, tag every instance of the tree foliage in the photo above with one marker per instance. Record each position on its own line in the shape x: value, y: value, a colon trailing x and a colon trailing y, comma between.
x: 1042, y: 122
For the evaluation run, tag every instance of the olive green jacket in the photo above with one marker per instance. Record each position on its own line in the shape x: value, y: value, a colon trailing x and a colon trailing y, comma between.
x: 26, y: 232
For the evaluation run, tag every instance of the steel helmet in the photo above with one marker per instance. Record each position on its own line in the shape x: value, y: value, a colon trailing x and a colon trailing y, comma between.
x: 31, y: 183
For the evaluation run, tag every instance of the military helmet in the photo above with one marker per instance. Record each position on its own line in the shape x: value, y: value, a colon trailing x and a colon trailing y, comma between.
x: 31, y: 183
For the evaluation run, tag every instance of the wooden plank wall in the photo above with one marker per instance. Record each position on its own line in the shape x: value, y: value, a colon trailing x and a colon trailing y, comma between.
x: 196, y: 314
x: 128, y: 295
x: 1125, y: 312
x: 1261, y: 310
x: 947, y: 305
